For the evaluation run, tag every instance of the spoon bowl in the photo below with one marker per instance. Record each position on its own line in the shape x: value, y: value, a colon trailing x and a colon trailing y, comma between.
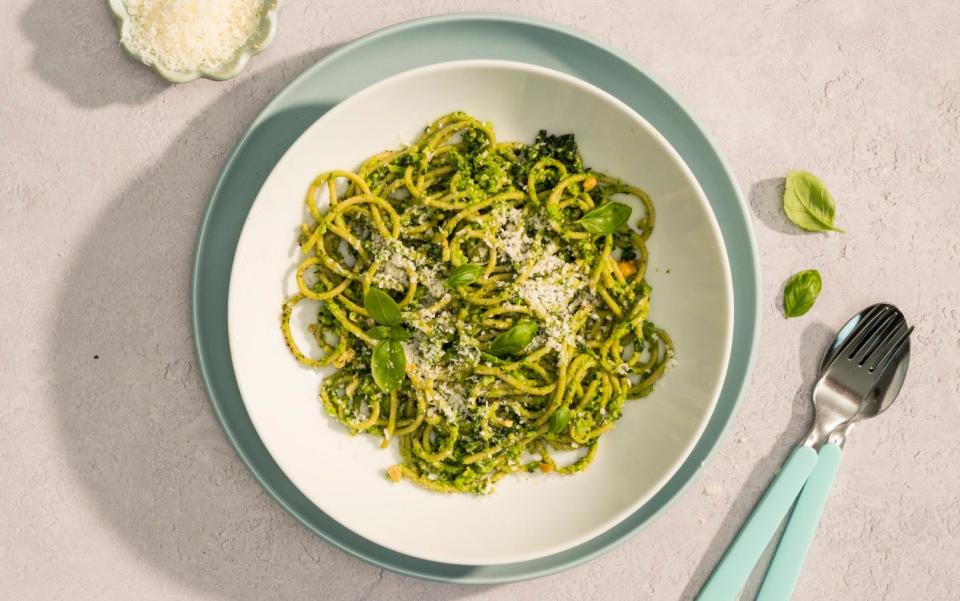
x: 861, y: 372
x: 890, y: 380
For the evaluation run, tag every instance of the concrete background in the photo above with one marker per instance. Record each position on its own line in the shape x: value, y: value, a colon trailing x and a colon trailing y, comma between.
x: 117, y: 482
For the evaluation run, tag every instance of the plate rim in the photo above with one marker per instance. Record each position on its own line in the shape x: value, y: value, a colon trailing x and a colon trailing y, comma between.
x: 451, y: 572
x: 700, y: 198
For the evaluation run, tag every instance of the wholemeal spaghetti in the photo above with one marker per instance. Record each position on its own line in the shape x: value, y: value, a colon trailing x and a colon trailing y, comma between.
x: 482, y: 302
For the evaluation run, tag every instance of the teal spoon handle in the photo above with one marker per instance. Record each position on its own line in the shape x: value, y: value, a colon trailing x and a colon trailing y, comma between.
x: 785, y: 566
x: 733, y: 570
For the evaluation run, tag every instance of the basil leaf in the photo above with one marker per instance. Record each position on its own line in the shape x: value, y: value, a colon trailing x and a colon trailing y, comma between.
x: 388, y: 333
x: 808, y: 203
x: 388, y: 364
x: 513, y: 340
x: 559, y: 420
x: 399, y: 334
x: 800, y: 292
x: 606, y: 219
x: 379, y: 332
x: 463, y: 275
x: 383, y: 309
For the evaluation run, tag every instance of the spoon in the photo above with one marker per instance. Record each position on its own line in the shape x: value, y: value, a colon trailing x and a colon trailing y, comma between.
x: 889, y: 384
x: 850, y: 376
x: 784, y: 570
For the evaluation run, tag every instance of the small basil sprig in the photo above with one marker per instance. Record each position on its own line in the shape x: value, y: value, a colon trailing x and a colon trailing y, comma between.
x: 463, y: 275
x: 606, y: 219
x: 388, y: 333
x: 383, y: 309
x: 559, y: 420
x: 800, y: 292
x: 808, y: 203
x: 379, y: 332
x: 515, y: 339
x: 388, y: 361
x: 388, y: 364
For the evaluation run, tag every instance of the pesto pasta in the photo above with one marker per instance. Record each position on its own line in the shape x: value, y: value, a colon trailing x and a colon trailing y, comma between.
x: 482, y: 302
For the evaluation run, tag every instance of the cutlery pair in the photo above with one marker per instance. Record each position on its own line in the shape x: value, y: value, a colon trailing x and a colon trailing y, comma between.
x: 860, y: 376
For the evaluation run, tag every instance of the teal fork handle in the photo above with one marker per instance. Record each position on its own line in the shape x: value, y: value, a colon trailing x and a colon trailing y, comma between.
x: 785, y: 566
x: 733, y: 570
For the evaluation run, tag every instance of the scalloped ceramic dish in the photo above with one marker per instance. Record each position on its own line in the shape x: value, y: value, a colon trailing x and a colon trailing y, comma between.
x: 254, y: 45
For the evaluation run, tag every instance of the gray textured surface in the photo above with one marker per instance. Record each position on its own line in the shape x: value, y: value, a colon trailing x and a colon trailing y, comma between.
x: 117, y: 482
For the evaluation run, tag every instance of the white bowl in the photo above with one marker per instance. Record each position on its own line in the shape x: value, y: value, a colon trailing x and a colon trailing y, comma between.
x: 528, y: 516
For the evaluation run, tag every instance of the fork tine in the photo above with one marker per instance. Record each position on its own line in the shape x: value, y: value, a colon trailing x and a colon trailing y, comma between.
x: 883, y: 332
x: 862, y: 334
x: 888, y: 356
x: 889, y: 341
x: 854, y: 337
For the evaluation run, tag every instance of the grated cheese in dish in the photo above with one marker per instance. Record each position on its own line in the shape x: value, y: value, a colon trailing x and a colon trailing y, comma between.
x: 186, y: 35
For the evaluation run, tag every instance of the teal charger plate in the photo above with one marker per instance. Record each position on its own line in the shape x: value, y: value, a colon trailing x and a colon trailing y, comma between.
x: 371, y: 59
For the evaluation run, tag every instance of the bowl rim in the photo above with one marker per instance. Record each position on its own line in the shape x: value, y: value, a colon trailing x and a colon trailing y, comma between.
x: 690, y: 178
x: 255, y: 44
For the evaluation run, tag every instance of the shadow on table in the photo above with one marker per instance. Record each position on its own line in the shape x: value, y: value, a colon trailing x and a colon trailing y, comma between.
x: 766, y: 201
x: 76, y: 50
x: 813, y: 341
x: 136, y: 426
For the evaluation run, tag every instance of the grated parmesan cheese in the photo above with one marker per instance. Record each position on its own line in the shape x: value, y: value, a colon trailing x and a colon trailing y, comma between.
x: 396, y: 258
x: 186, y: 35
x: 550, y: 262
x: 545, y: 296
x: 453, y: 400
x: 553, y: 291
x: 424, y: 354
x: 512, y: 238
